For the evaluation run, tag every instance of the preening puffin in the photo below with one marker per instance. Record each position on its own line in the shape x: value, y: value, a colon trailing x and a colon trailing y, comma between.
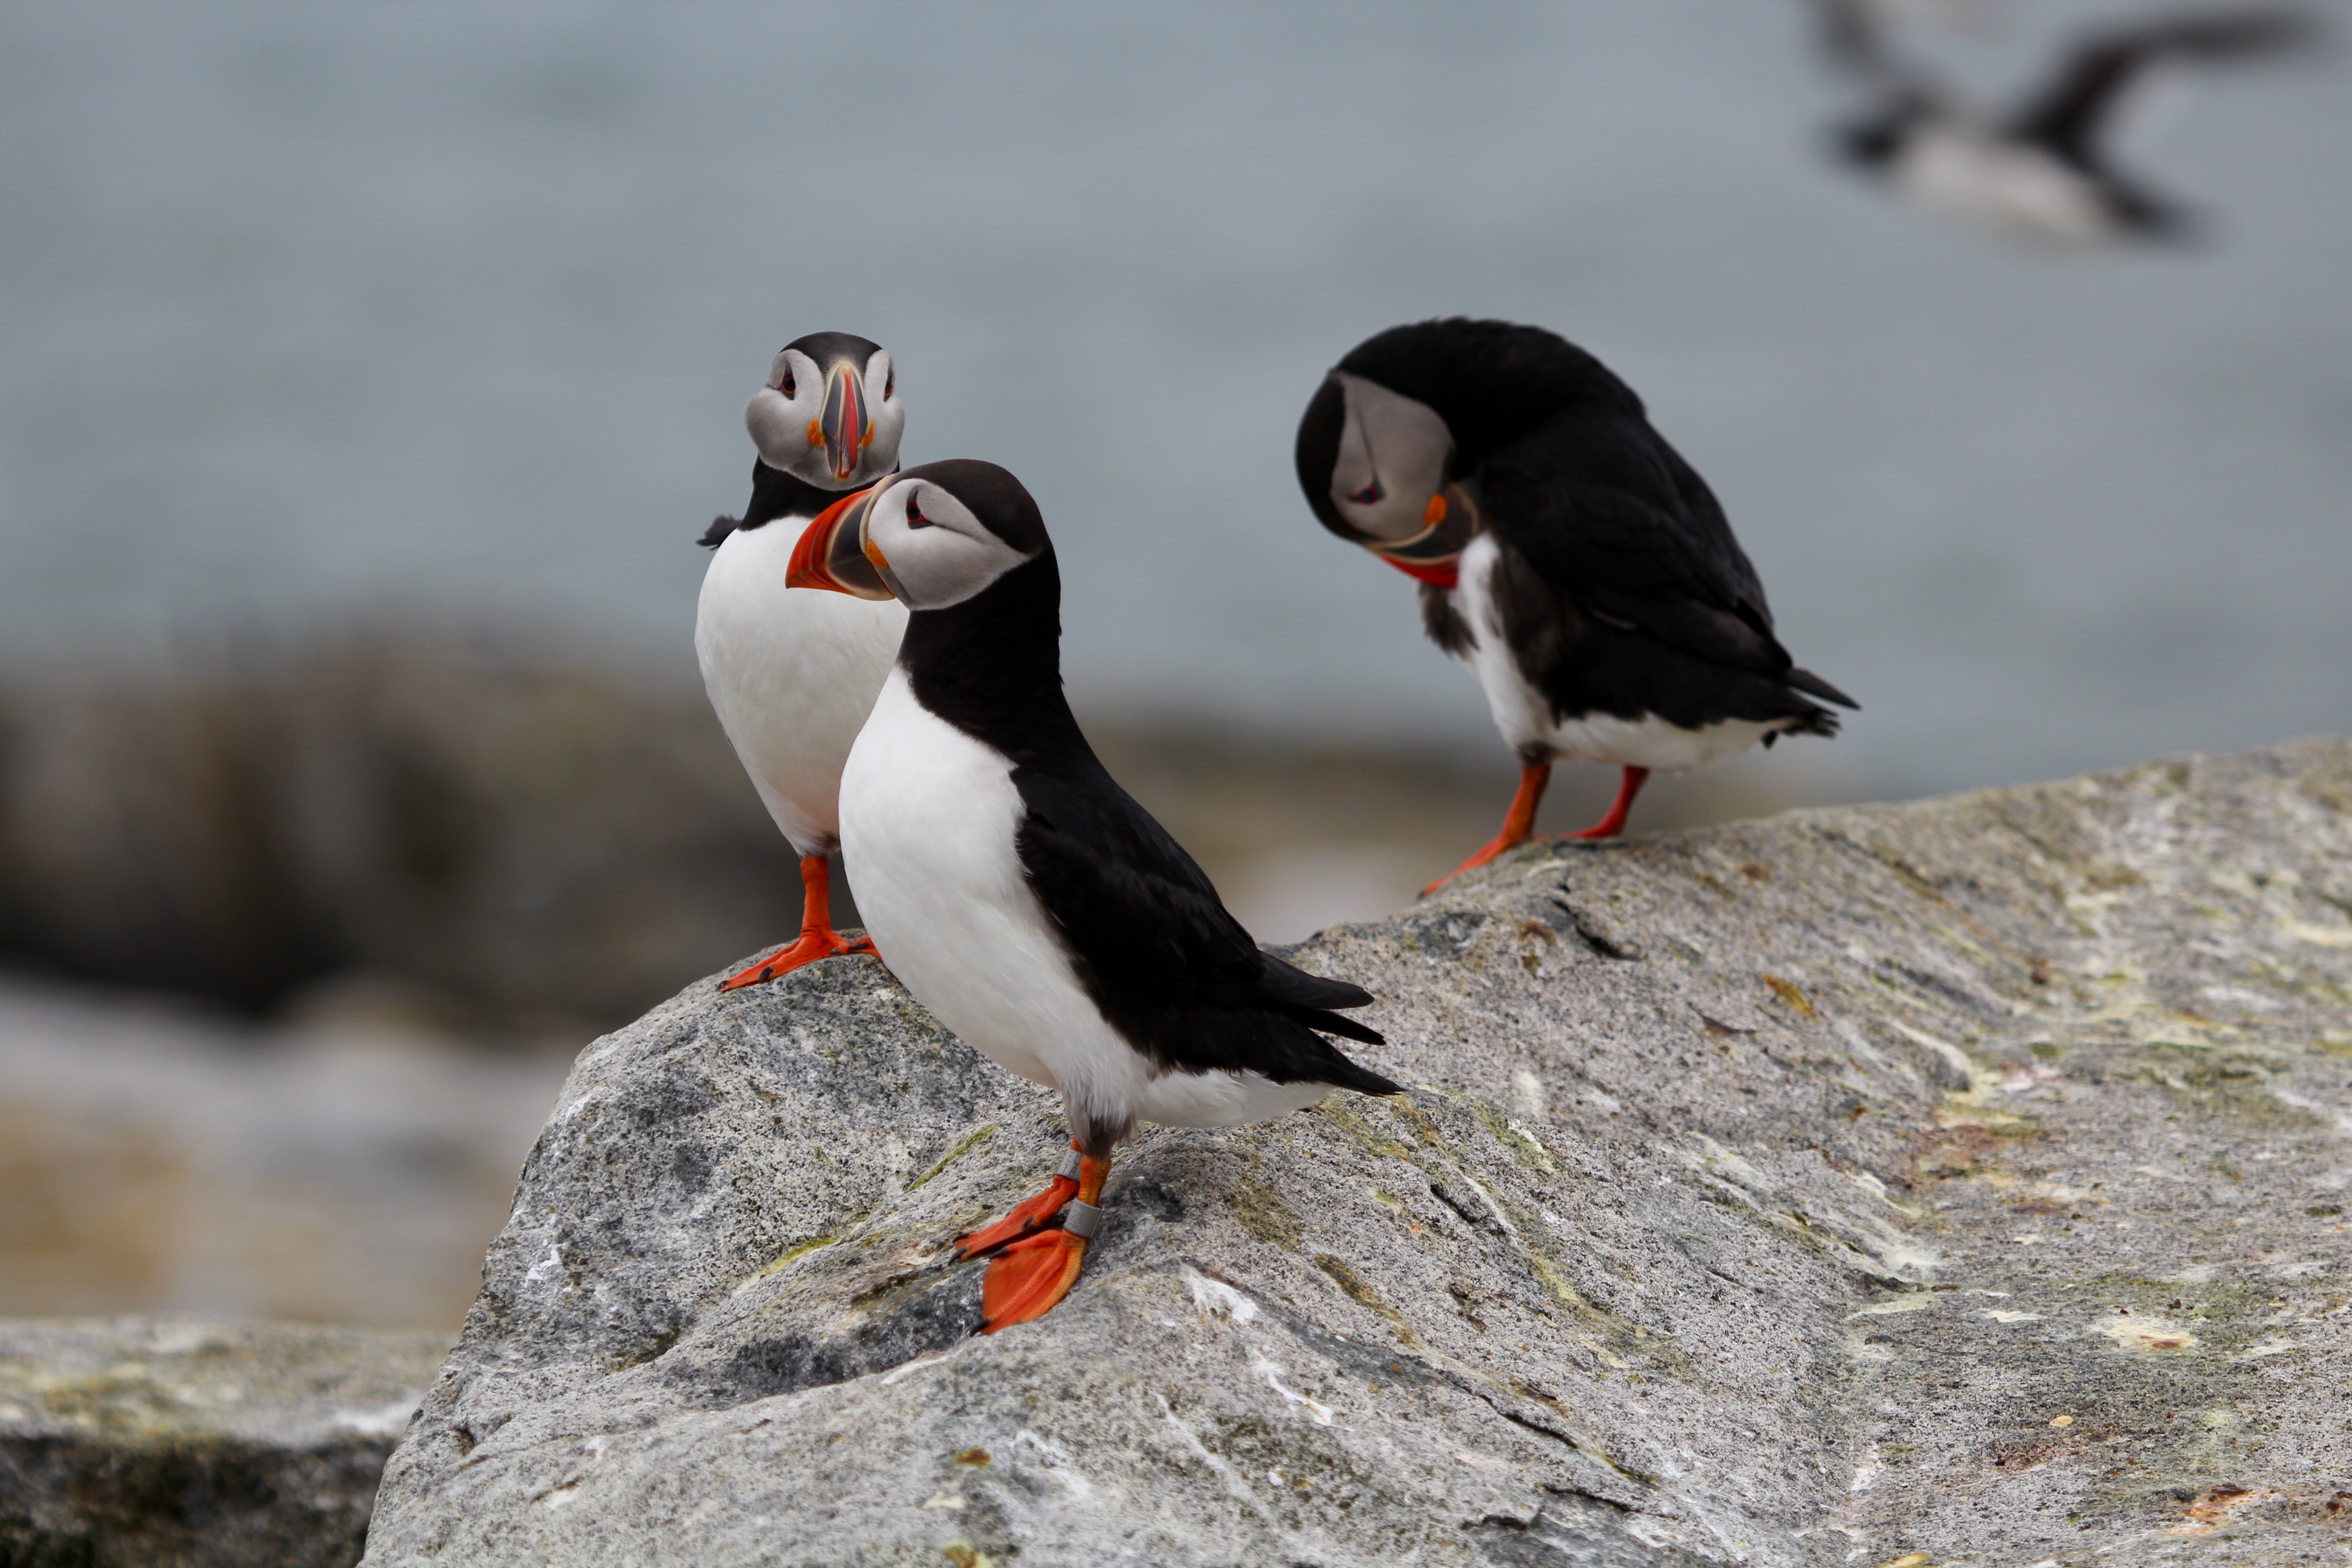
x: 1565, y: 552
x: 2041, y: 173
x: 1023, y: 896
x: 793, y: 676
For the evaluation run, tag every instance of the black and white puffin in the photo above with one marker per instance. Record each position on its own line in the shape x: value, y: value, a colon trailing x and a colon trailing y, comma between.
x: 2041, y: 173
x: 1565, y: 552
x: 1023, y: 896
x: 793, y: 676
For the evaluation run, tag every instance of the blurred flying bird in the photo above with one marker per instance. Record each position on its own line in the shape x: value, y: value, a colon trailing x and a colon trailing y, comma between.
x: 1565, y: 552
x: 793, y: 676
x: 2042, y: 171
x: 1023, y: 896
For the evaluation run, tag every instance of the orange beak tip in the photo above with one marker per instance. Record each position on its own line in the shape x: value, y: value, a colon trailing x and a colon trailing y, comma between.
x: 806, y: 569
x: 801, y: 571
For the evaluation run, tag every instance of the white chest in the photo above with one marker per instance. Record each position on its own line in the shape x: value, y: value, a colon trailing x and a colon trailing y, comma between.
x: 928, y: 835
x: 1525, y: 716
x: 791, y: 674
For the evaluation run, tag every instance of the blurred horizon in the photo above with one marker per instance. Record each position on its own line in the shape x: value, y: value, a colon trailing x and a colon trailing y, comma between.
x: 451, y: 312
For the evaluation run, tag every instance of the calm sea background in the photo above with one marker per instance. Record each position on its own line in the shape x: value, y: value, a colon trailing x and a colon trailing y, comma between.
x: 322, y: 311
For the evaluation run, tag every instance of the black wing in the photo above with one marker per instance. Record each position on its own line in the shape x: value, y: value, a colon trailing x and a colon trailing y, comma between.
x: 1621, y: 588
x: 2065, y: 117
x: 1168, y: 966
x: 1613, y: 520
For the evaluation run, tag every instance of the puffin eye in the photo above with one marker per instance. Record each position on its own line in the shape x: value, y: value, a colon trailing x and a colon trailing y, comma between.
x: 786, y: 387
x: 1370, y: 494
x: 914, y: 518
x: 890, y: 385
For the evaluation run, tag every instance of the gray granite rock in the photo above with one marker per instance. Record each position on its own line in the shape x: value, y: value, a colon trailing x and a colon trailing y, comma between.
x: 1966, y: 1179
x: 185, y: 1443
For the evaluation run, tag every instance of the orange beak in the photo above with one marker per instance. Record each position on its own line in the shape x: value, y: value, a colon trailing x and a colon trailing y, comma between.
x: 831, y: 552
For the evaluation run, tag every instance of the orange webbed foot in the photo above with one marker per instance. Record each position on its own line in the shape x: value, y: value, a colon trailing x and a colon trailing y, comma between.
x: 1030, y: 1273
x: 1028, y: 1278
x: 1518, y: 823
x: 812, y: 946
x: 817, y: 939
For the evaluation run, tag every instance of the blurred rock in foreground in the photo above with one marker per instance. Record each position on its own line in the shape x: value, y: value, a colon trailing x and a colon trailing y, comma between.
x: 140, y: 1443
x: 1957, y: 1181
x: 533, y: 844
x: 344, y: 1169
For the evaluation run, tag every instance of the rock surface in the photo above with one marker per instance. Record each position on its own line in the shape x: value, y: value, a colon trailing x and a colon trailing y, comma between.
x: 164, y: 1443
x: 1957, y: 1181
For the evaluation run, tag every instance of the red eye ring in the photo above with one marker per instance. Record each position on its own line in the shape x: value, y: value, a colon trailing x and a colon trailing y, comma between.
x: 914, y: 518
x: 1370, y: 494
x: 786, y: 387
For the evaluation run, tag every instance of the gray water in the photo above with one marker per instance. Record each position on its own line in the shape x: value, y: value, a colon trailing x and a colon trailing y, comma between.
x: 322, y: 311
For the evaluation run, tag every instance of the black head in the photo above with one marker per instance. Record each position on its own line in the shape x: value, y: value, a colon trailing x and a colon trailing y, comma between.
x: 1413, y: 409
x: 1874, y: 141
x: 829, y: 412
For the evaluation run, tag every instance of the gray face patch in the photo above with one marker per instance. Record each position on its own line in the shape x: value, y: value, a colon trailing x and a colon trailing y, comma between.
x: 947, y: 557
x: 791, y: 403
x: 1392, y: 457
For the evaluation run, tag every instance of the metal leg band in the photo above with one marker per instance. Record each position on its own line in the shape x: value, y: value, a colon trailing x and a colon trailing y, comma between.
x: 1069, y: 1170
x: 1081, y: 1219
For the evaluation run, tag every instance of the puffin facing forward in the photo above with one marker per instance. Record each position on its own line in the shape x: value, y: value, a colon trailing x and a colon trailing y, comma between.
x: 793, y: 676
x: 1565, y: 552
x: 1023, y: 896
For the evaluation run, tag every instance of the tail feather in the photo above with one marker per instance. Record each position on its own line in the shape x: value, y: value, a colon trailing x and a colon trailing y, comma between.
x: 1282, y: 984
x: 1333, y: 1023
x: 1337, y: 1070
x: 1812, y: 685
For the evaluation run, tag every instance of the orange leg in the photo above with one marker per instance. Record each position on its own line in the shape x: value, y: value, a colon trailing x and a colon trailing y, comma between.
x: 817, y: 938
x: 1611, y: 826
x: 1027, y: 1215
x: 1030, y: 1274
x: 1518, y: 823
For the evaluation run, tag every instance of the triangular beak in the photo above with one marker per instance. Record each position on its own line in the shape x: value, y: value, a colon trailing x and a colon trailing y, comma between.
x: 831, y: 551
